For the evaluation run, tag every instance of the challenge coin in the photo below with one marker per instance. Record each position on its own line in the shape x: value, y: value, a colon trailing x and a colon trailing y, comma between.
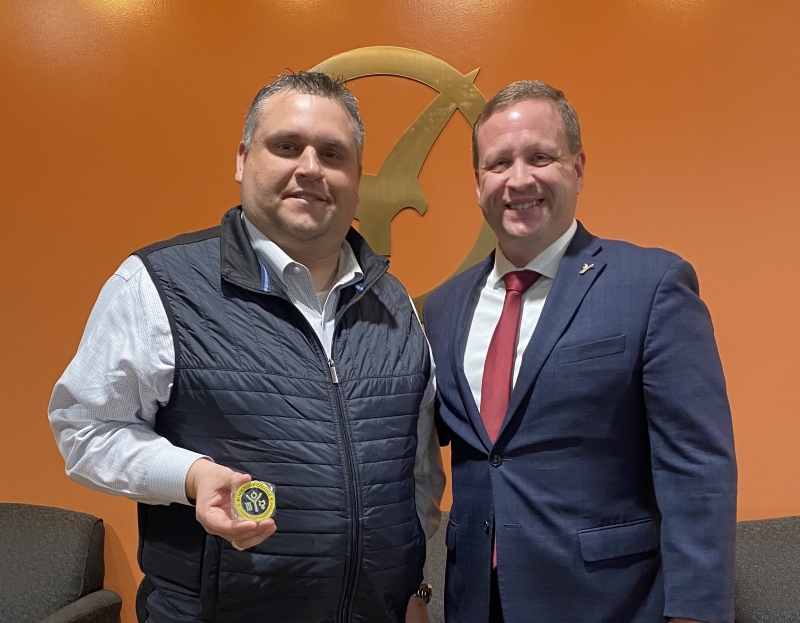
x: 254, y: 501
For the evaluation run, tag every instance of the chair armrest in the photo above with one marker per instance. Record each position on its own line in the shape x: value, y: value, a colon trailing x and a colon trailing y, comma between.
x: 102, y: 606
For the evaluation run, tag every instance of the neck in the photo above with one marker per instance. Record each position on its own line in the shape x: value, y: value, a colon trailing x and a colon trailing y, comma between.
x: 322, y: 264
x: 521, y: 257
x: 521, y: 252
x: 323, y: 270
x: 320, y: 256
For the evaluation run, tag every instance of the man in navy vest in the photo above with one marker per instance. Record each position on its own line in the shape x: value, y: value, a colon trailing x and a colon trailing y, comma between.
x: 580, y: 387
x: 274, y: 347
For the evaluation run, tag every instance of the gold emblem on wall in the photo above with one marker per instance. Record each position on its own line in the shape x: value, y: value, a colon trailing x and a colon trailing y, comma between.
x: 396, y: 186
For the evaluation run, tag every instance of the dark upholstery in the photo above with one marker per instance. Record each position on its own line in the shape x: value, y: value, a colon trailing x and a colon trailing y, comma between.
x: 52, y: 567
x: 768, y: 571
x: 434, y: 570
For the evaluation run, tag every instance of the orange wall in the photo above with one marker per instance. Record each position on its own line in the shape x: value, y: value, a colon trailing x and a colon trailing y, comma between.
x: 119, y: 121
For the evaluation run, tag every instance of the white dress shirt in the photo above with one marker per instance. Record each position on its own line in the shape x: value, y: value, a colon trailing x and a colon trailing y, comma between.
x: 103, y: 408
x: 488, y: 305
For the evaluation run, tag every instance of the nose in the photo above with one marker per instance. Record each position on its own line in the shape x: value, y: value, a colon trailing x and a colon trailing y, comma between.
x: 520, y: 175
x: 308, y: 164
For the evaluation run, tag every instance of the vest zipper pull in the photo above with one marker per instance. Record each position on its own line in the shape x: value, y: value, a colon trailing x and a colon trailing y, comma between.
x: 334, y: 376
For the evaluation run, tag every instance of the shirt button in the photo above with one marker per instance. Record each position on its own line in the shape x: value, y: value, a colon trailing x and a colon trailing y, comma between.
x: 496, y: 460
x: 486, y: 527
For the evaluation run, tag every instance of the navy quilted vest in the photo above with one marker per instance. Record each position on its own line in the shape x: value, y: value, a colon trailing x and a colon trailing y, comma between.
x: 254, y: 390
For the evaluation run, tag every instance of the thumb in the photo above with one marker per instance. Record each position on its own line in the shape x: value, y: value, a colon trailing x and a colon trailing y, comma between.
x: 238, y: 479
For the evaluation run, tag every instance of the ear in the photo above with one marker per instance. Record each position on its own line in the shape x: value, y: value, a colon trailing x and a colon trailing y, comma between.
x: 477, y: 186
x: 241, y: 157
x: 580, y: 167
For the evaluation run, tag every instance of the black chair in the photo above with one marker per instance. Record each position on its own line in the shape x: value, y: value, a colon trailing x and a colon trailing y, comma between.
x: 434, y: 567
x: 52, y: 567
x: 768, y: 571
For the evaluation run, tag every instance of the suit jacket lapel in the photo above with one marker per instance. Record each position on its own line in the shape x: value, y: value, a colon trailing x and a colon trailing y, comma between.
x: 563, y: 300
x: 457, y: 350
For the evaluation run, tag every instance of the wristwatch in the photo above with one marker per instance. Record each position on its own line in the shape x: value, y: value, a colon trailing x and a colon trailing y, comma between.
x: 424, y: 591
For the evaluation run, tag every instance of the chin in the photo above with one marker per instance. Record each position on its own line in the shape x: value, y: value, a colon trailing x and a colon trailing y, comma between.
x: 520, y: 234
x: 525, y: 221
x: 306, y: 234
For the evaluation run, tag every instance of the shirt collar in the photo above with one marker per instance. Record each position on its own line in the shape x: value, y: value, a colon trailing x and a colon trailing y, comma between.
x: 270, y: 254
x: 546, y: 263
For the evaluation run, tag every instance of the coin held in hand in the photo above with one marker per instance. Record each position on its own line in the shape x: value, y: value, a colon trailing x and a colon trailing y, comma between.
x: 253, y: 501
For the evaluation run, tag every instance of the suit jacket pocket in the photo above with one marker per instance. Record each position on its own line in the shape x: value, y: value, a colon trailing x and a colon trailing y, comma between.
x: 591, y: 350
x: 626, y: 539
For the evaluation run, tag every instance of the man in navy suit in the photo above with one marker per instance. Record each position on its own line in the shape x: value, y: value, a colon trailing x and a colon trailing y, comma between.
x: 594, y: 477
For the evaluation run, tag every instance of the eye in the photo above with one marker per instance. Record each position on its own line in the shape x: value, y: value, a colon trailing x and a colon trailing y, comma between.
x: 541, y: 159
x: 498, y: 165
x: 285, y: 148
x: 330, y: 154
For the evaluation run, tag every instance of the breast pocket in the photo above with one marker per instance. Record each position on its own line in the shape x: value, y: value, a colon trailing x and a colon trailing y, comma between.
x: 591, y: 350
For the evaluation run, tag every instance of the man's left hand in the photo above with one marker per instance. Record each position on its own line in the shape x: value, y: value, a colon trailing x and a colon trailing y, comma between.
x: 417, y: 611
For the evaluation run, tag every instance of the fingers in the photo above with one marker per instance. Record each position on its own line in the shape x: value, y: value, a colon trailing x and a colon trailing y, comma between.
x: 216, y: 521
x: 261, y: 530
x: 265, y: 529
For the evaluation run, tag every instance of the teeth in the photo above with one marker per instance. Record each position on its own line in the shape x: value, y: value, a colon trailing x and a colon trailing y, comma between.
x: 526, y: 205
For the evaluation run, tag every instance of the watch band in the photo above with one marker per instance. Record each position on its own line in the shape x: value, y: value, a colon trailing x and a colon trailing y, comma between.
x: 425, y: 591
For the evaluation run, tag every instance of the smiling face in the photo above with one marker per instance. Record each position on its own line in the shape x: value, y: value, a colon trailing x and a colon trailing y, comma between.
x: 527, y: 180
x: 300, y: 177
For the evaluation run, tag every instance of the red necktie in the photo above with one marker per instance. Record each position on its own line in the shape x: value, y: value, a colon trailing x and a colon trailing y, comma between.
x: 498, y: 369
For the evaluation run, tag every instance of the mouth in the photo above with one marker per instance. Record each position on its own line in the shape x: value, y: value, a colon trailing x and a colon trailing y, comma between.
x: 527, y: 205
x: 308, y: 197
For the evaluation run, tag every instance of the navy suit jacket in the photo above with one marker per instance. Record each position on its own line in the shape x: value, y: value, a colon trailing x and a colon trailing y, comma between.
x: 611, y: 488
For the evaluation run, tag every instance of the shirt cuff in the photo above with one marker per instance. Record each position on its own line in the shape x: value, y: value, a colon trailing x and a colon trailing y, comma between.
x: 167, y: 476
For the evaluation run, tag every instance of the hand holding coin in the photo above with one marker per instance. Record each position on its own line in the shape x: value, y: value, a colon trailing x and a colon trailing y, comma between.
x: 210, y: 485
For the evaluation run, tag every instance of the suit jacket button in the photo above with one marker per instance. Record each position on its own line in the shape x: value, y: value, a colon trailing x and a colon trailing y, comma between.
x: 496, y: 460
x: 486, y: 527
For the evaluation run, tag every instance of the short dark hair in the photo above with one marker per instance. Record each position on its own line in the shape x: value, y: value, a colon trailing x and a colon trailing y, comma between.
x: 530, y: 90
x: 309, y: 83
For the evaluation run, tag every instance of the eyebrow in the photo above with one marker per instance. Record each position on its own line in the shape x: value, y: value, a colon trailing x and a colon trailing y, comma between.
x: 288, y: 135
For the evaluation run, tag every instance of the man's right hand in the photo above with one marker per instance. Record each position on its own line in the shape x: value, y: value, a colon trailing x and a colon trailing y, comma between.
x: 210, y: 485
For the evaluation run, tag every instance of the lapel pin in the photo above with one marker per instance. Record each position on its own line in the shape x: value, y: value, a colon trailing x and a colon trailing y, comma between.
x: 585, y: 268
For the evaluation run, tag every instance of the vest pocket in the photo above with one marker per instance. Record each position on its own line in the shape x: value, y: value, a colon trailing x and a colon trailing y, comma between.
x: 626, y: 539
x: 209, y: 577
x: 172, y: 544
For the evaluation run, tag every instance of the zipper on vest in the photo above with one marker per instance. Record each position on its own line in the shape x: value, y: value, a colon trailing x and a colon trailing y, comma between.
x: 351, y: 570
